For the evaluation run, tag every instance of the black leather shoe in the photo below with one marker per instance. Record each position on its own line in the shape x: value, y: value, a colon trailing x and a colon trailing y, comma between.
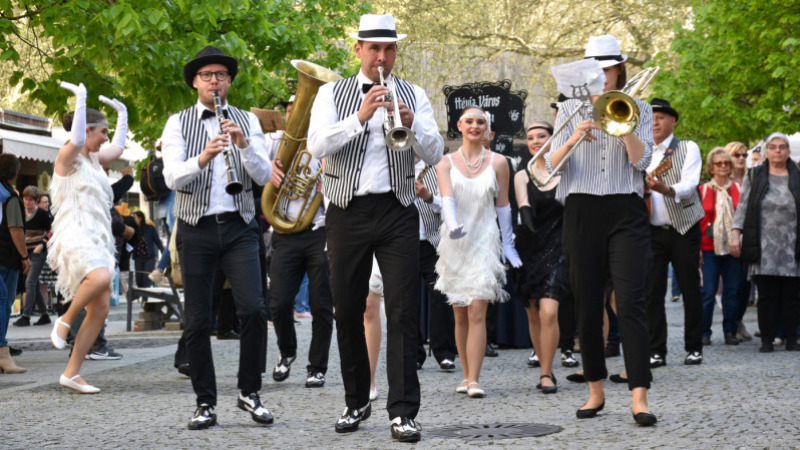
x: 549, y: 389
x: 203, y: 418
x: 490, y: 352
x: 252, y: 404
x: 612, y: 350
x: 14, y: 351
x: 645, y: 419
x: 730, y: 339
x: 406, y: 430
x: 184, y: 369
x: 352, y: 417
x: 282, y: 369
x: 792, y: 346
x: 766, y: 347
x: 229, y: 335
x: 22, y: 322
x: 617, y: 378
x: 43, y: 320
x: 589, y: 412
x: 576, y: 378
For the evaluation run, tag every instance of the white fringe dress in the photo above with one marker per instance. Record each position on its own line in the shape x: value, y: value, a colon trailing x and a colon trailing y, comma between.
x: 470, y: 268
x: 82, y: 239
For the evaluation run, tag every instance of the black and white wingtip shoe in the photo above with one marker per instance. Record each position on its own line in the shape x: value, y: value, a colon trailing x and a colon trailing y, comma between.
x: 203, y: 418
x: 447, y: 365
x: 352, y: 417
x: 406, y: 430
x: 281, y: 371
x: 568, y: 359
x: 252, y: 404
x: 315, y: 380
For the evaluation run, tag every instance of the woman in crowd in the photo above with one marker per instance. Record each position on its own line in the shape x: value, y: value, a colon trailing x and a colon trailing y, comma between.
x: 738, y: 152
x: 765, y: 233
x: 720, y: 198
x: 474, y: 188
x: 543, y: 279
x: 47, y: 278
x: 81, y: 249
x: 37, y: 231
x: 144, y: 256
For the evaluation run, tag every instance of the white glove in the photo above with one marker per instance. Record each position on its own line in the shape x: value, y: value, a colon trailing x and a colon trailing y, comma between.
x: 78, y: 136
x: 319, y: 223
x: 122, y: 120
x: 509, y: 252
x: 450, y: 219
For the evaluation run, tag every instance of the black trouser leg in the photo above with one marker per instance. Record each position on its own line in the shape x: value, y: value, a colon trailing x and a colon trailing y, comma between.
x: 288, y: 267
x: 441, y: 320
x: 320, y: 301
x: 661, y: 243
x: 686, y: 265
x: 769, y: 301
x: 566, y: 323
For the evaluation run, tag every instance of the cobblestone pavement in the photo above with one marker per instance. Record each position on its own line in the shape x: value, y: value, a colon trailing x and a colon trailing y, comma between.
x: 738, y: 398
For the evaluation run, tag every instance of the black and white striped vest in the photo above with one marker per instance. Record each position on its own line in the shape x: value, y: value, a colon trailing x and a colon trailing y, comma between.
x: 191, y: 201
x: 342, y: 169
x: 689, y: 211
x: 431, y: 221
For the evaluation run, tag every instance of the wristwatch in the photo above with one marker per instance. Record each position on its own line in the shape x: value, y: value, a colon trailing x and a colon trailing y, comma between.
x: 429, y: 200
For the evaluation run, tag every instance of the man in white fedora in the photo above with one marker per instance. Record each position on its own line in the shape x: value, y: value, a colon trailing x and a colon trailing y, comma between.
x: 371, y: 211
x: 607, y: 231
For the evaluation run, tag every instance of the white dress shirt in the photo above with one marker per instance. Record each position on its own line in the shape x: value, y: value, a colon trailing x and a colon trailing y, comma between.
x: 293, y: 208
x: 328, y: 135
x: 690, y: 178
x: 436, y: 205
x: 180, y: 171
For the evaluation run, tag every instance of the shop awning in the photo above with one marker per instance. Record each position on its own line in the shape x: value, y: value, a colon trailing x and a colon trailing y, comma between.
x: 31, y: 146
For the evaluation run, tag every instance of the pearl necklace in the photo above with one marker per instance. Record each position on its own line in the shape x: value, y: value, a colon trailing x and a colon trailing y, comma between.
x: 477, y: 164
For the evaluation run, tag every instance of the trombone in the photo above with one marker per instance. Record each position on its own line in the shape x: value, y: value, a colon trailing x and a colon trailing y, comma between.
x: 615, y: 111
x: 397, y: 137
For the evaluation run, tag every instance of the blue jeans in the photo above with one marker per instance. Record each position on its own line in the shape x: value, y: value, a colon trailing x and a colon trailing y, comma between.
x: 9, y: 279
x: 165, y: 208
x: 730, y: 269
x: 676, y: 290
x: 301, y: 299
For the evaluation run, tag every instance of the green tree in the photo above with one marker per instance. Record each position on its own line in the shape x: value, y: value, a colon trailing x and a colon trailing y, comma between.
x: 733, y: 71
x: 135, y: 49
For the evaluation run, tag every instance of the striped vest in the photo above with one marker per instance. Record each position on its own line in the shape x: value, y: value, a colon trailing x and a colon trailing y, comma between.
x: 431, y: 221
x: 343, y: 168
x: 689, y: 211
x: 191, y: 201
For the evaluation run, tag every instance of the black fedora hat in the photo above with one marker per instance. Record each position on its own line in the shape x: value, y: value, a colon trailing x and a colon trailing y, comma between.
x: 661, y: 105
x: 206, y: 56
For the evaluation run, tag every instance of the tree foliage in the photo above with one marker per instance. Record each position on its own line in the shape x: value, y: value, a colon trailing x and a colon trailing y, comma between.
x: 135, y: 49
x: 733, y: 74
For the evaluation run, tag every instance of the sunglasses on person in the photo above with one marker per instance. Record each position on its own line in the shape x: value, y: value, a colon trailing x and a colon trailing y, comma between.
x: 722, y: 164
x: 222, y: 75
x: 739, y: 155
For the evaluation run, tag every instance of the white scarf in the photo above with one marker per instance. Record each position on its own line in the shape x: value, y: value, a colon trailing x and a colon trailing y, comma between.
x: 723, y: 217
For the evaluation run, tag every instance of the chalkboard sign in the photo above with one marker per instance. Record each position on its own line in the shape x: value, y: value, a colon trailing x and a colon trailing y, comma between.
x: 507, y: 109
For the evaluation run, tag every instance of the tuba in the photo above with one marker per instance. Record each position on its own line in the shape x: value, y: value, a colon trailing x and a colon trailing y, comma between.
x: 300, y: 181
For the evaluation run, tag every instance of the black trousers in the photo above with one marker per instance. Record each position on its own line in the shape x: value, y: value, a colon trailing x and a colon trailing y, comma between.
x: 379, y: 224
x: 566, y: 323
x: 294, y: 255
x: 441, y: 322
x: 668, y: 245
x: 602, y: 235
x: 232, y: 246
x: 778, y: 304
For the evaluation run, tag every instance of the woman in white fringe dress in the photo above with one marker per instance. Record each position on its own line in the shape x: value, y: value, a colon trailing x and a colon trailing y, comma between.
x: 474, y: 187
x: 81, y: 249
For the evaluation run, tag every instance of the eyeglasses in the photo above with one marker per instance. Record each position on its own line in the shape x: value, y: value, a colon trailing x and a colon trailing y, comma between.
x: 722, y: 164
x: 222, y: 75
x: 777, y: 147
x: 739, y: 155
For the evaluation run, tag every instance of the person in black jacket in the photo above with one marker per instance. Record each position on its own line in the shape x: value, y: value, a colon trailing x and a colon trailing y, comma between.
x: 37, y: 229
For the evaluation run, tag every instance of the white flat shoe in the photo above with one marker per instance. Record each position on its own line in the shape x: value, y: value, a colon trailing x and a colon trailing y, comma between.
x: 82, y: 388
x: 373, y: 394
x: 55, y: 338
x: 475, y: 392
x: 462, y: 388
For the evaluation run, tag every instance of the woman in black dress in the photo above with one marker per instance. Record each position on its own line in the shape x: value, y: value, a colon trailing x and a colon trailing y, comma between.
x: 543, y: 280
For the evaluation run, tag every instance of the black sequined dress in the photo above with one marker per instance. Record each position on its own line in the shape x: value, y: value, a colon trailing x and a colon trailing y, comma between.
x: 544, y: 272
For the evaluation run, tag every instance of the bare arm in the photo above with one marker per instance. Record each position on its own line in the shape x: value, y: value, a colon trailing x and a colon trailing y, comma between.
x: 521, y: 181
x: 502, y: 173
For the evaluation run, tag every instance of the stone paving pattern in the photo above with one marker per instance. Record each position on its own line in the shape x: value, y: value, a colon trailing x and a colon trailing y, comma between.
x: 738, y: 398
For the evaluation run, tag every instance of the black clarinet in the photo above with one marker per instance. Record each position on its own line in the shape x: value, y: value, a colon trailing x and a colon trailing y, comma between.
x: 234, y: 186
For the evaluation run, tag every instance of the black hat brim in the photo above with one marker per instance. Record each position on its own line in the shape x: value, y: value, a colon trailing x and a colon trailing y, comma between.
x: 666, y: 110
x: 191, y: 68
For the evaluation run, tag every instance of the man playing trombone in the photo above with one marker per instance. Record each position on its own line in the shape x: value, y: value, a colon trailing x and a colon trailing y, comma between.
x: 217, y: 229
x: 371, y: 192
x: 606, y: 230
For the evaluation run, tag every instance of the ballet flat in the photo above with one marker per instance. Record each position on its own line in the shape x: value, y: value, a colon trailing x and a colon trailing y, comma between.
x: 82, y: 388
x: 461, y: 389
x: 645, y: 419
x: 588, y: 413
x: 55, y: 338
x: 476, y: 392
x: 373, y: 394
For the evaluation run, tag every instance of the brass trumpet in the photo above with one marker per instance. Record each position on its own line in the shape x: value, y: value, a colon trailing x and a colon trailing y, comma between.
x: 616, y: 112
x: 398, y: 137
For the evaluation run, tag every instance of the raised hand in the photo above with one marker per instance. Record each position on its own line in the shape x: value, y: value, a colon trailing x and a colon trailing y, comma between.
x: 118, y: 106
x: 78, y: 136
x: 122, y: 120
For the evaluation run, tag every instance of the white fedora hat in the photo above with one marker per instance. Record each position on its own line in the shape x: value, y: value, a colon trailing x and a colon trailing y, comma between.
x: 605, y: 49
x: 377, y: 28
